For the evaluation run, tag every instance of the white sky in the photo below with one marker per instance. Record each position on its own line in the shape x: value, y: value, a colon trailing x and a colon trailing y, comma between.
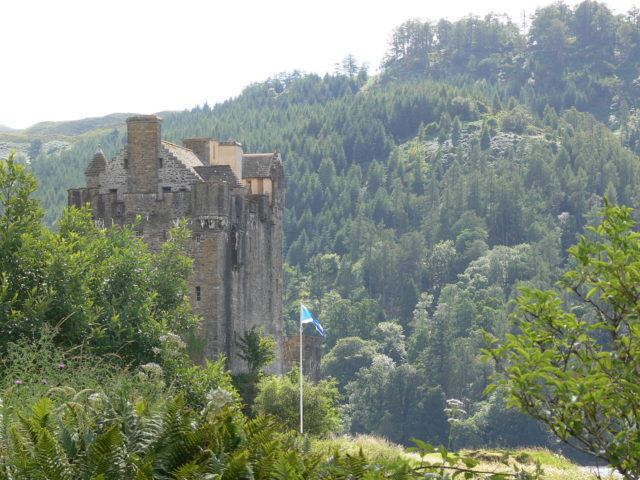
x: 70, y: 59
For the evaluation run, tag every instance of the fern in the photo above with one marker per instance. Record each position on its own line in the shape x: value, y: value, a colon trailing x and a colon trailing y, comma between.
x: 31, y: 428
x: 70, y: 430
x: 50, y: 462
x: 349, y: 466
x: 265, y: 444
x: 237, y: 467
x: 42, y: 412
x: 193, y: 470
x: 105, y: 454
x: 21, y: 451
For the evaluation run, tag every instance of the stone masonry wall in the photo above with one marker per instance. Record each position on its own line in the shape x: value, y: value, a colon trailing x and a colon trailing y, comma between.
x: 115, y: 175
x: 257, y: 284
x: 143, y: 145
x: 173, y: 174
x: 236, y: 240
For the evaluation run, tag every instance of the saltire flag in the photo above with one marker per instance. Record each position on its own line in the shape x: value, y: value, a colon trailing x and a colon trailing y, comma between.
x: 306, y: 317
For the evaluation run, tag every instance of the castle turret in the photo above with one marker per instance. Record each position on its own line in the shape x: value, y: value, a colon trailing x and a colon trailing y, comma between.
x: 96, y: 167
x: 143, y: 157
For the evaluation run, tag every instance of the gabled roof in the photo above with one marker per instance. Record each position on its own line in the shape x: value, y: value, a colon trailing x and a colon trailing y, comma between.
x: 184, y: 155
x: 97, y: 165
x: 222, y: 173
x: 257, y: 165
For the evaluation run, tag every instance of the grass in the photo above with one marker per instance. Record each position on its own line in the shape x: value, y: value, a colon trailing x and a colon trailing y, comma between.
x: 375, y: 448
x: 555, y: 467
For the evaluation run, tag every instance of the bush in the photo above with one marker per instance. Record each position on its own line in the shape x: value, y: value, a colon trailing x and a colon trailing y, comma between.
x: 36, y: 368
x: 280, y: 397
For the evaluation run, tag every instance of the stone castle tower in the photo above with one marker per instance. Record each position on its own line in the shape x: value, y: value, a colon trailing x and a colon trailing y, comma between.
x: 233, y: 203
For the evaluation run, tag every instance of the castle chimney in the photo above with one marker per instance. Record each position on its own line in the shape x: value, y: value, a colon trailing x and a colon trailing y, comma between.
x: 230, y: 153
x: 203, y: 148
x: 96, y: 167
x: 143, y: 153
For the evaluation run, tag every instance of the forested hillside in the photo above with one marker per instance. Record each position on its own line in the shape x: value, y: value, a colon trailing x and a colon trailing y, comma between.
x: 419, y: 199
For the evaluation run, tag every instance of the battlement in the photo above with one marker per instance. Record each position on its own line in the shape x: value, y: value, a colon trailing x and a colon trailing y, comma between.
x: 233, y: 203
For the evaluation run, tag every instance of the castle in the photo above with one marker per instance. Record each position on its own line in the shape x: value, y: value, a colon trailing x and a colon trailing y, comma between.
x: 233, y: 203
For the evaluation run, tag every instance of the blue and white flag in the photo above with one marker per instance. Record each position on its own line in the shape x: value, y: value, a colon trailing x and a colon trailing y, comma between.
x: 306, y: 317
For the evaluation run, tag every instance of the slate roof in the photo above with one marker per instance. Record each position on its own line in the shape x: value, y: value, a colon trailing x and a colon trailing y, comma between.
x: 221, y: 173
x: 257, y: 165
x: 184, y: 155
x: 97, y: 165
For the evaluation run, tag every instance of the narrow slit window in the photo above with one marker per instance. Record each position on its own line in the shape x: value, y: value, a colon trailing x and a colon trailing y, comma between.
x: 198, y: 294
x: 159, y: 162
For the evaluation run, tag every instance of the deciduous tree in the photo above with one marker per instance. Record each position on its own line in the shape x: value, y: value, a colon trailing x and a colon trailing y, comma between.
x: 580, y: 375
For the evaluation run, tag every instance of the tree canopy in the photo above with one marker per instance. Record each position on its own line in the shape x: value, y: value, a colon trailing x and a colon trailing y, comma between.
x: 421, y: 198
x: 579, y: 374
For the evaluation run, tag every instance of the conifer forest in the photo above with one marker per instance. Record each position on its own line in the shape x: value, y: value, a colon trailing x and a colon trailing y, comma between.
x: 420, y: 201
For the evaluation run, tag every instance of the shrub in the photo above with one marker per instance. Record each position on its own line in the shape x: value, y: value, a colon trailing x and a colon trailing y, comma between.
x: 280, y: 397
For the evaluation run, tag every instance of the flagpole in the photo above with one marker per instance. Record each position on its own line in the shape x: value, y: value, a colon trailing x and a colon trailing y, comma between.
x: 301, y: 404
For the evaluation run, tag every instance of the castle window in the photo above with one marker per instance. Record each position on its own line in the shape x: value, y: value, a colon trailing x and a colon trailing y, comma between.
x: 75, y: 198
x: 159, y: 162
x: 198, y: 296
x: 138, y: 233
x: 113, y: 190
x: 126, y: 163
x: 197, y: 237
x: 166, y: 189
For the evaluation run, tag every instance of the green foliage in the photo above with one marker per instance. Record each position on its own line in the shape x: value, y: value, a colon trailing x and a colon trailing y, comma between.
x: 202, y: 384
x: 347, y: 357
x: 23, y: 256
x: 280, y: 397
x: 464, y: 170
x: 101, y: 289
x: 396, y: 402
x: 578, y: 374
x: 516, y: 120
x: 446, y: 461
x: 256, y: 349
x: 36, y: 367
x: 117, y: 296
x: 494, y: 425
x: 99, y: 436
x: 103, y: 436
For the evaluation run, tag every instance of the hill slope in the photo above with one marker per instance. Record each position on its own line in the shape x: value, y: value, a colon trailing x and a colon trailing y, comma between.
x: 77, y: 127
x: 420, y: 199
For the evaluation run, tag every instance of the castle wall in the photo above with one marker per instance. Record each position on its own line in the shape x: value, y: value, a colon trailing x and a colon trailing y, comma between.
x: 236, y: 241
x: 258, y: 284
x: 173, y: 174
x: 115, y: 175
